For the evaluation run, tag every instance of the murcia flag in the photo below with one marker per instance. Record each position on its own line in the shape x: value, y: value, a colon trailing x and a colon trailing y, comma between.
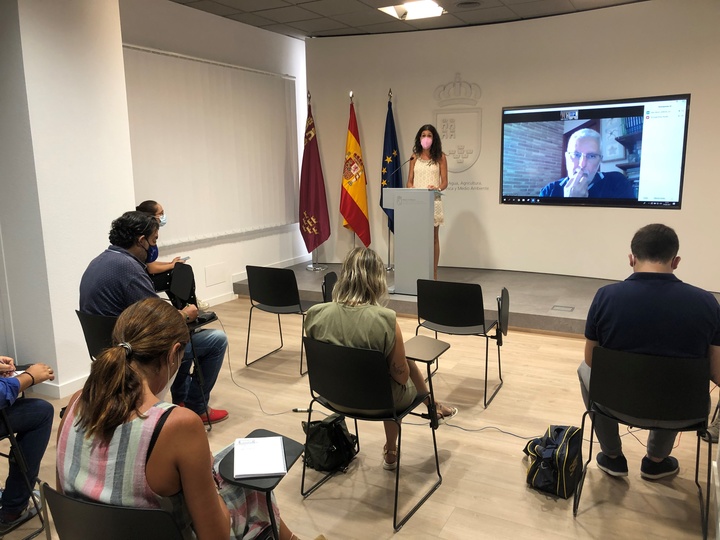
x: 353, y: 195
x: 314, y: 219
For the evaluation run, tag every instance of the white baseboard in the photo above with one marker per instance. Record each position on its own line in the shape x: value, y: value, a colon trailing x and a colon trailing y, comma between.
x: 220, y: 299
x: 53, y: 390
x: 240, y: 276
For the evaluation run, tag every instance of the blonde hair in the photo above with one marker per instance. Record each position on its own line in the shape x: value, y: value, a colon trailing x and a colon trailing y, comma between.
x: 362, y: 279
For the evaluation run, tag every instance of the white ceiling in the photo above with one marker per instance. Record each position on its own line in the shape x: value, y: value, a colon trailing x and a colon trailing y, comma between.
x: 324, y: 18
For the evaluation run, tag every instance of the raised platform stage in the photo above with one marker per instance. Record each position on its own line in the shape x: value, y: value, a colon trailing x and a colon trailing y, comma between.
x: 544, y: 302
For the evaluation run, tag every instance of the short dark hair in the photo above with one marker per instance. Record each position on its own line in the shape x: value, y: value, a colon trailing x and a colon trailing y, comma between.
x: 149, y: 207
x: 655, y: 243
x: 130, y: 226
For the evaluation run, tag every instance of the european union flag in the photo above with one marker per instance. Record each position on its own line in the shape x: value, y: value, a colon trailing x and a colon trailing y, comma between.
x: 391, y: 174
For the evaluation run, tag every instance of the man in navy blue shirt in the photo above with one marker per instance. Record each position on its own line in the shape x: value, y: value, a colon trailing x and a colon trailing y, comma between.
x: 651, y: 312
x: 118, y: 277
x: 584, y: 179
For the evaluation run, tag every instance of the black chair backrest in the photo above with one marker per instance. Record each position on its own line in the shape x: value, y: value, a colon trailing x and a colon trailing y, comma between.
x: 97, y: 330
x: 349, y: 377
x: 275, y: 287
x: 650, y: 387
x: 328, y: 284
x: 504, y: 311
x: 74, y: 518
x: 182, y: 282
x: 450, y: 304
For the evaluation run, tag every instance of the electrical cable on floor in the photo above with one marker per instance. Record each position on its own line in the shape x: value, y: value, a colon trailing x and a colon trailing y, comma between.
x: 630, y: 430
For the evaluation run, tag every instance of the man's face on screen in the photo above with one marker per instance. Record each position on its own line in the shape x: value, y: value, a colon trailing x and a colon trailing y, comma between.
x: 584, y: 156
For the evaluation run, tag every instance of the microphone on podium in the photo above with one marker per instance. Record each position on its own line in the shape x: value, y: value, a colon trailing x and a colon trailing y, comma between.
x: 401, y: 166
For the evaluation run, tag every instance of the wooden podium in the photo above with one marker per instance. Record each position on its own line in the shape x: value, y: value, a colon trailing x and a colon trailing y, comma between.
x: 414, y: 239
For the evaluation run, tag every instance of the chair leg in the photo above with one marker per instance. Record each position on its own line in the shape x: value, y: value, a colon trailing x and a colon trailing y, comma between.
x: 581, y: 481
x: 21, y: 463
x: 487, y: 401
x: 704, y: 501
x: 247, y: 346
x: 397, y: 524
x: 302, y: 345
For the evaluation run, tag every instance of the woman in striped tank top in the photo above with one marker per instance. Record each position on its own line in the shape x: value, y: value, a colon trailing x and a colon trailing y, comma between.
x: 120, y: 444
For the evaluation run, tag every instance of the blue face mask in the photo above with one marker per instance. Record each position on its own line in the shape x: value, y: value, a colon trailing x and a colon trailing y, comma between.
x: 163, y: 220
x: 152, y: 254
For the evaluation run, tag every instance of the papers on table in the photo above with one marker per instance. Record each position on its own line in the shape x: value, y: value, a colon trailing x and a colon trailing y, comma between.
x: 258, y: 457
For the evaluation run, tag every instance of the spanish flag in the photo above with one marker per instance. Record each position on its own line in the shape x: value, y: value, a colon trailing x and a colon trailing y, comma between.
x: 353, y: 196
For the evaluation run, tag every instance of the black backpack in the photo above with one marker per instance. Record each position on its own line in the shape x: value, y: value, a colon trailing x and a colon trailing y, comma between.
x: 329, y: 446
x: 555, y: 460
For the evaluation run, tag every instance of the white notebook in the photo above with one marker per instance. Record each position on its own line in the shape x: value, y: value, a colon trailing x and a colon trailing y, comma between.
x: 259, y: 456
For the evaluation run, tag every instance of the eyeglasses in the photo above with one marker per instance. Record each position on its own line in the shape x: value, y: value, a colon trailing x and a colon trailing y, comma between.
x: 576, y: 156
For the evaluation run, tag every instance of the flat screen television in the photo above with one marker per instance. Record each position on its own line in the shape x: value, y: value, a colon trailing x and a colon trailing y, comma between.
x: 627, y: 153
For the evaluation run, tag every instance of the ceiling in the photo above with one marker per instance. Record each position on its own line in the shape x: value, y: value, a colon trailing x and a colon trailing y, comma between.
x: 304, y: 19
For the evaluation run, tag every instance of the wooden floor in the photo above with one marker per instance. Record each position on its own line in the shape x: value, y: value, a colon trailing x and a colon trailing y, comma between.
x: 483, y: 494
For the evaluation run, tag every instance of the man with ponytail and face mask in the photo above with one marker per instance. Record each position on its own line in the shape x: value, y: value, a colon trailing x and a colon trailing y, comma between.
x: 118, y: 278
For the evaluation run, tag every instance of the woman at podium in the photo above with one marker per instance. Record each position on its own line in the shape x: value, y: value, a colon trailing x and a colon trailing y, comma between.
x: 428, y: 170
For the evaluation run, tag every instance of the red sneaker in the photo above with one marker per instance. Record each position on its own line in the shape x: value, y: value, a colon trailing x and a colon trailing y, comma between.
x: 214, y: 416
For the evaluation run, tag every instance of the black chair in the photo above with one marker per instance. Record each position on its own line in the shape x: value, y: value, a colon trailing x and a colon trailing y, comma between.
x: 457, y: 308
x: 97, y: 330
x: 182, y: 293
x: 274, y: 290
x: 161, y: 282
x: 359, y: 379
x: 328, y: 284
x: 74, y: 519
x: 181, y: 290
x: 653, y: 388
x: 15, y: 453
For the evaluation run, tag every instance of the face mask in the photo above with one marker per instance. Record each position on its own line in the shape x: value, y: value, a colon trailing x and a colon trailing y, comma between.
x: 163, y: 220
x: 161, y: 395
x: 426, y: 143
x: 152, y: 254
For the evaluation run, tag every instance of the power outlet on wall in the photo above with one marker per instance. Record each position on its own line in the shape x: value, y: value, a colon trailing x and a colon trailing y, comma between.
x: 216, y: 274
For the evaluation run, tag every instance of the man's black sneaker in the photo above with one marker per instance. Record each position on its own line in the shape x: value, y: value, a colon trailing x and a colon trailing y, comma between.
x: 650, y: 470
x: 616, y: 466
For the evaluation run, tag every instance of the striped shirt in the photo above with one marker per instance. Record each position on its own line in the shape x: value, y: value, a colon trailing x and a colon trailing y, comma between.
x: 114, y: 473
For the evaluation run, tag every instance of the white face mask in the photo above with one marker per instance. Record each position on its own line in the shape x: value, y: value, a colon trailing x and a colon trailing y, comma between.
x: 161, y: 395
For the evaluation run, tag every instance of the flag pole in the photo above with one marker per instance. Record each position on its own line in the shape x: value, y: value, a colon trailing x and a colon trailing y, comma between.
x: 390, y: 267
x: 315, y: 266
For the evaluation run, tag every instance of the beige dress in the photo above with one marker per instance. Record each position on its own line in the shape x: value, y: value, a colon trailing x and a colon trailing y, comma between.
x: 427, y: 173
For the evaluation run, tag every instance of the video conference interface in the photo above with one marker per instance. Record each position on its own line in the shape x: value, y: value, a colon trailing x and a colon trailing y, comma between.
x: 642, y: 139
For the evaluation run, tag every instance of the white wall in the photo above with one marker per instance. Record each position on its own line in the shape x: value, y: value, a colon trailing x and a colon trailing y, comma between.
x: 65, y: 161
x: 65, y: 166
x: 648, y: 48
x: 163, y: 25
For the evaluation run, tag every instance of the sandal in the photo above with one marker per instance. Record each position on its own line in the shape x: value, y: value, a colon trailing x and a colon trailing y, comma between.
x: 389, y: 466
x: 443, y: 417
